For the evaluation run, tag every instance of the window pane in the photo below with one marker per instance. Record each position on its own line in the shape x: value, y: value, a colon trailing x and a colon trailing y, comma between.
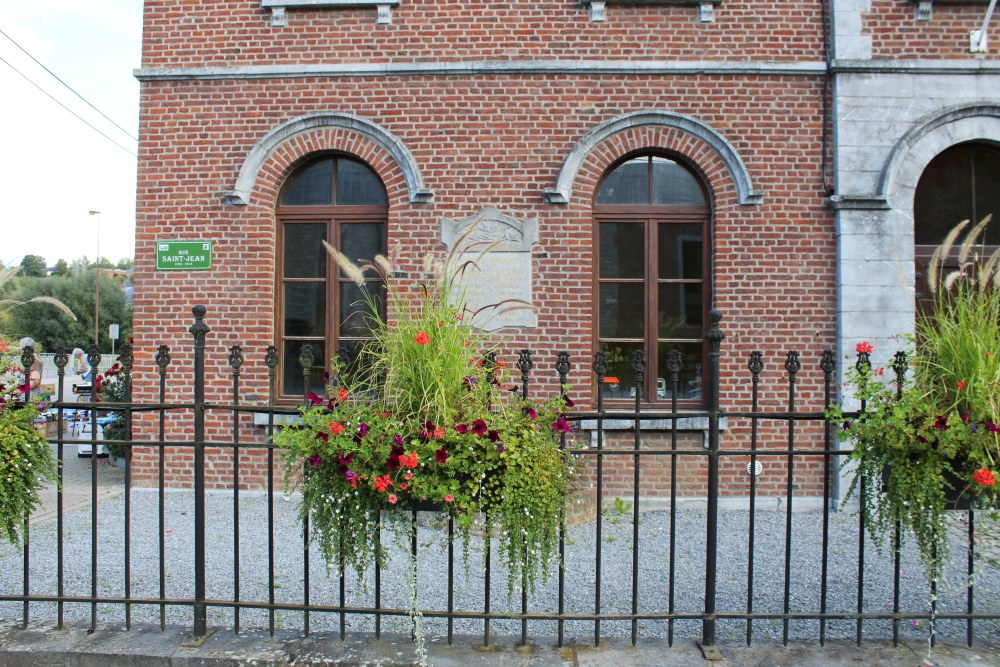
x: 622, y: 250
x: 305, y: 309
x: 304, y: 254
x: 674, y: 184
x: 292, y: 379
x: 628, y: 184
x: 357, y: 185
x: 690, y: 377
x: 311, y: 186
x: 680, y: 252
x: 622, y: 310
x: 361, y: 242
x: 987, y: 173
x: 619, y: 382
x: 944, y: 196
x: 355, y: 313
x: 680, y: 311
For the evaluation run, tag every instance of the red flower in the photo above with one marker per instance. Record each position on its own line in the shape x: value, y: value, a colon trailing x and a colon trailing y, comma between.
x: 410, y: 460
x: 479, y: 427
x: 879, y: 371
x: 941, y: 423
x: 422, y: 338
x: 960, y: 384
x: 342, y: 394
x: 992, y: 428
x: 441, y: 456
x: 984, y: 477
x: 313, y: 398
x: 864, y: 347
x: 336, y: 428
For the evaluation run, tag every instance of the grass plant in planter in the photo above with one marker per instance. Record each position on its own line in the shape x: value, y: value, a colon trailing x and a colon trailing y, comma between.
x: 426, y: 416
x: 935, y: 438
x: 26, y: 463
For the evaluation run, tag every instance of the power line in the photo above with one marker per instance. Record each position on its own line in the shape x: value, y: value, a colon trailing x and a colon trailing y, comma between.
x: 26, y: 78
x: 69, y: 87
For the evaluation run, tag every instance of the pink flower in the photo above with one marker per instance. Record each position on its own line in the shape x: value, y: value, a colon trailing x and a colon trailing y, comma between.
x: 409, y: 476
x: 315, y: 460
x: 393, y: 498
x: 561, y: 425
x: 449, y: 498
x: 864, y: 347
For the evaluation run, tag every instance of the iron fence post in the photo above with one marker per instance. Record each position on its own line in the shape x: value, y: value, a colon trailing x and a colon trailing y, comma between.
x: 198, y: 330
x: 714, y: 337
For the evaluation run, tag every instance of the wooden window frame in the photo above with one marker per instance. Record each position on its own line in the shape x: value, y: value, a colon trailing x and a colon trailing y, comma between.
x: 651, y: 216
x: 334, y: 217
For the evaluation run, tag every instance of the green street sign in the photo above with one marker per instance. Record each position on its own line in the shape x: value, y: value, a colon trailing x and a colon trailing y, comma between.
x: 183, y: 255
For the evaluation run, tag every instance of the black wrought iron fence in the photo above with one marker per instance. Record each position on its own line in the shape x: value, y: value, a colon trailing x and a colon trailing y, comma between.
x: 649, y: 550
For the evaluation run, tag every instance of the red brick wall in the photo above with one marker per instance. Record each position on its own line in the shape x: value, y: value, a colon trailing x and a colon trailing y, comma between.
x: 239, y: 32
x: 896, y: 34
x: 490, y: 140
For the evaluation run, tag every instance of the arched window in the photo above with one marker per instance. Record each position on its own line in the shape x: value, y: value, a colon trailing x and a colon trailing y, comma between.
x: 652, y: 275
x: 961, y: 183
x: 343, y: 202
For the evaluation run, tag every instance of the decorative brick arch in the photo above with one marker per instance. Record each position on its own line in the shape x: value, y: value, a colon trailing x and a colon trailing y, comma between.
x: 707, y: 150
x: 273, y: 157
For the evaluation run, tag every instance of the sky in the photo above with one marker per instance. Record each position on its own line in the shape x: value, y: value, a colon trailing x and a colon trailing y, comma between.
x: 54, y: 168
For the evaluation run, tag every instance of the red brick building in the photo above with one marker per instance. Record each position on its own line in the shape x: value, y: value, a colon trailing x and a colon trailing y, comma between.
x: 672, y: 156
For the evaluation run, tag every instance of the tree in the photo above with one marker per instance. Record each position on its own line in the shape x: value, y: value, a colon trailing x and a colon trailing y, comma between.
x: 125, y: 264
x: 52, y: 329
x: 60, y: 269
x: 33, y: 266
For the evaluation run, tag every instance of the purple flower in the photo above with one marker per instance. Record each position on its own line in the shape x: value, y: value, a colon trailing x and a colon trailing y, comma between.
x: 323, y: 435
x: 992, y: 428
x: 315, y: 460
x: 479, y: 427
x: 568, y: 401
x: 941, y: 423
x: 530, y: 411
x: 499, y: 448
x: 494, y: 436
x: 398, y: 439
x: 441, y: 456
x: 470, y: 382
x: 561, y: 425
x: 965, y: 416
x: 462, y: 428
x: 350, y: 476
x: 363, y: 429
x: 394, y: 454
x: 313, y: 398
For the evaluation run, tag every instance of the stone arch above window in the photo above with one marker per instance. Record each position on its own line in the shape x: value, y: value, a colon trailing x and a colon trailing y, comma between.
x: 708, y: 140
x: 927, y: 139
x: 326, y: 131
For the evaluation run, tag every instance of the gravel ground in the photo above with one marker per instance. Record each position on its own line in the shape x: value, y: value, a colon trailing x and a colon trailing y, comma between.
x: 468, y: 586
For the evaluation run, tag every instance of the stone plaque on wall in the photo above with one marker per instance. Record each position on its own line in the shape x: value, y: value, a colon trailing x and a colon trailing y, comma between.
x: 502, y: 276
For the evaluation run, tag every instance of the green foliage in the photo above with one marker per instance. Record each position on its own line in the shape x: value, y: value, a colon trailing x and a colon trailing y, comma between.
x: 51, y: 328
x: 26, y: 462
x: 428, y: 420
x: 33, y: 266
x: 61, y: 268
x: 938, y: 435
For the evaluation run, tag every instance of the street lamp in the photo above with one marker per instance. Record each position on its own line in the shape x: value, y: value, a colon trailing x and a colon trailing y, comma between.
x: 97, y: 275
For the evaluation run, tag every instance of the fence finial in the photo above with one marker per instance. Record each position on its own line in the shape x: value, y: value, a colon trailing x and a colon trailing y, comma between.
x: 199, y: 328
x: 236, y: 358
x: 756, y: 363
x: 163, y: 357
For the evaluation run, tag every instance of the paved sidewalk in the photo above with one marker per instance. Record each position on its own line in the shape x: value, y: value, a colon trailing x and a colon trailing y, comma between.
x: 110, y: 646
x: 77, y: 484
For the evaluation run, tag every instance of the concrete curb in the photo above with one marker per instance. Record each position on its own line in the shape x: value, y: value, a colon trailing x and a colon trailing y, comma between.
x: 42, y: 645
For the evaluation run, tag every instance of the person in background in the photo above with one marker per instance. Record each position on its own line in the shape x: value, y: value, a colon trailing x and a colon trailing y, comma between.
x: 35, y: 375
x: 80, y: 365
